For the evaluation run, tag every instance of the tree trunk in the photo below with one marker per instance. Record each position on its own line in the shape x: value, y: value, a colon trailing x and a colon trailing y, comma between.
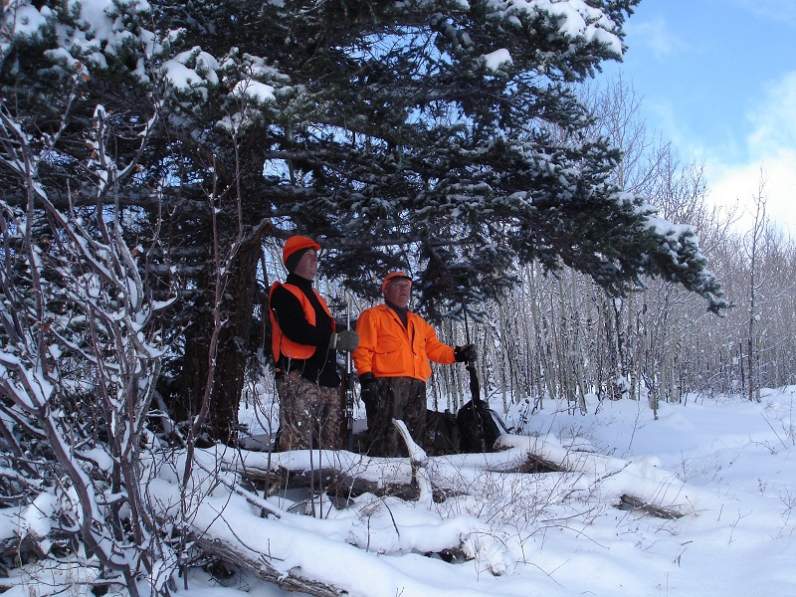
x: 233, y: 350
x: 234, y: 343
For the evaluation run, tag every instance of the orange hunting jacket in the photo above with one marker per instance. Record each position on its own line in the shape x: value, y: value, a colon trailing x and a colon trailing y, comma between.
x: 280, y: 343
x: 388, y: 349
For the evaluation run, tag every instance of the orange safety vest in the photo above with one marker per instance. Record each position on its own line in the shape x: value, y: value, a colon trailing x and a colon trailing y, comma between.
x: 388, y: 349
x: 280, y: 343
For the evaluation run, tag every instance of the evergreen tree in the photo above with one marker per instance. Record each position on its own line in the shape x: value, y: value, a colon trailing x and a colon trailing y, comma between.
x: 442, y: 136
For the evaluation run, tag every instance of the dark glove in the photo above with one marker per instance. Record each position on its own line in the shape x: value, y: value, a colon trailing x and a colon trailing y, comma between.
x: 465, y: 353
x: 366, y: 380
x: 345, y: 341
x: 367, y: 386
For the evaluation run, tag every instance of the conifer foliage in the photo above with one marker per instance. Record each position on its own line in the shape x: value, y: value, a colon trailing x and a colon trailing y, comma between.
x: 442, y: 136
x: 150, y: 149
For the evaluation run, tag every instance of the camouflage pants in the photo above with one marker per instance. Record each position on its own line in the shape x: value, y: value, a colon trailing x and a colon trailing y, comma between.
x: 310, y: 415
x: 391, y: 398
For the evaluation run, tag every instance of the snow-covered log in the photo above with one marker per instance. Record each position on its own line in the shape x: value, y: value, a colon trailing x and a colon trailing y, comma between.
x: 333, y: 481
x: 238, y: 556
x: 628, y: 502
x: 565, y: 471
x: 281, y: 546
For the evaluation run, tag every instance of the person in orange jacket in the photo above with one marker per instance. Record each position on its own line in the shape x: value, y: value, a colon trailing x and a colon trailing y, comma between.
x: 304, y: 338
x: 392, y: 362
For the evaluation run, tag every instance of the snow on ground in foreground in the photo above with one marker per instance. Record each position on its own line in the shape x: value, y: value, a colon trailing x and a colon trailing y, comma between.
x: 742, y: 544
x: 738, y: 458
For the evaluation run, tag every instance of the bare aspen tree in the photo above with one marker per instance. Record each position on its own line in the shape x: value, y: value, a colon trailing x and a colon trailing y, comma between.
x: 571, y: 339
x: 754, y: 241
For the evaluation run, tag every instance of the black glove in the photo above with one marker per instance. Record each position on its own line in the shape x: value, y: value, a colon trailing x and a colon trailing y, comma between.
x: 366, y: 380
x: 465, y: 353
x: 345, y: 341
x: 368, y: 386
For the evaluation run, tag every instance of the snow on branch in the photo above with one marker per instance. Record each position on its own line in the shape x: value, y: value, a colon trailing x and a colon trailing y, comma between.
x: 574, y: 19
x: 79, y: 358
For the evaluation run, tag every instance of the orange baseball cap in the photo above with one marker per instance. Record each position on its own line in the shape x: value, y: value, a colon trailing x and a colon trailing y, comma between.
x: 394, y: 276
x: 297, y: 243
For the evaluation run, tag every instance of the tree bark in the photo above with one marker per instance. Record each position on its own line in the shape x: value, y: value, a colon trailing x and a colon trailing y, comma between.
x: 233, y: 346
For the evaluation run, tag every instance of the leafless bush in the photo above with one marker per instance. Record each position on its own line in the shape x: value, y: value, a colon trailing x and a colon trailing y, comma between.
x: 79, y: 358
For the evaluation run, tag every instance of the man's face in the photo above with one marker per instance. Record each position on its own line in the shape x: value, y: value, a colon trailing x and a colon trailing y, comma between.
x: 398, y: 292
x: 307, y: 266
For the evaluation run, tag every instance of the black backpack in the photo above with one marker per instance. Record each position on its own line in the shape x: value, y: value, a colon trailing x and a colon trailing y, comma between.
x: 442, y: 433
x: 479, y: 427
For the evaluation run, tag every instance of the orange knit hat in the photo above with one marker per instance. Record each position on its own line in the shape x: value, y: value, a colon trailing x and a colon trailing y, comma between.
x: 297, y: 243
x: 394, y: 276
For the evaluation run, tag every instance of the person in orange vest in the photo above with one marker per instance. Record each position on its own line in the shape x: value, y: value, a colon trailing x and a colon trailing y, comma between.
x: 304, y: 338
x: 392, y: 362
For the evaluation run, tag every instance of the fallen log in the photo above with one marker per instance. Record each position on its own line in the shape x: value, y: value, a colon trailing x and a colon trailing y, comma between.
x: 333, y: 481
x: 634, y: 504
x: 532, y: 465
x: 345, y: 474
x: 262, y: 569
x: 348, y: 475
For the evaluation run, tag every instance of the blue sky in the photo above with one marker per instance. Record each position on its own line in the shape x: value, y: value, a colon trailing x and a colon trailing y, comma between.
x: 718, y: 79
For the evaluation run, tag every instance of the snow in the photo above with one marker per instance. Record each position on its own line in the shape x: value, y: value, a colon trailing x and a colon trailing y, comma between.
x: 36, y: 519
x: 100, y: 456
x: 46, y: 578
x: 107, y: 27
x: 9, y: 523
x: 184, y: 78
x: 739, y: 454
x: 668, y: 229
x: 724, y: 464
x: 26, y: 20
x: 577, y: 20
x: 96, y: 14
x: 254, y: 90
x: 496, y: 59
x: 103, y: 28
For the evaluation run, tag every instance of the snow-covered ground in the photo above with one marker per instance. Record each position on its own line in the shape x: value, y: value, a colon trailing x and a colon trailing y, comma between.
x: 725, y: 464
x: 736, y: 462
x: 739, y: 541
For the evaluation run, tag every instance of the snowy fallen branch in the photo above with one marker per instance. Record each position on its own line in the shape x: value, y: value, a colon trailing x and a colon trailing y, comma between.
x: 566, y: 471
x: 235, y: 554
x: 627, y: 502
x: 467, y: 505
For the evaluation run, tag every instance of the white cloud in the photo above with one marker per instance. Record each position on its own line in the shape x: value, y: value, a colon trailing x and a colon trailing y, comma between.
x: 782, y: 11
x: 775, y: 119
x: 771, y: 158
x: 657, y: 36
x: 737, y: 185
